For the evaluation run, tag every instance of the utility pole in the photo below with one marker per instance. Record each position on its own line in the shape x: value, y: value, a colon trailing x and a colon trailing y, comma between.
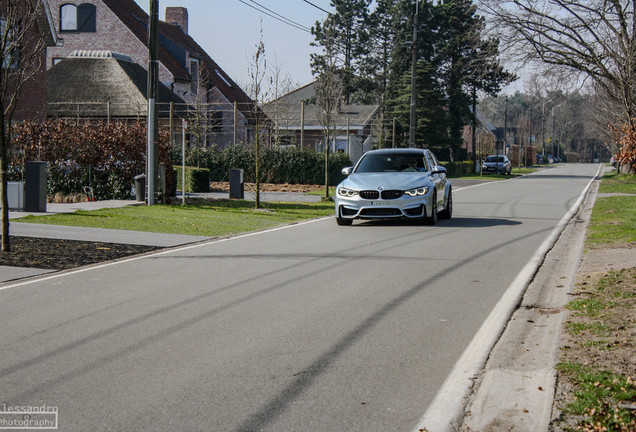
x: 152, y: 155
x: 413, y: 123
x: 505, y: 137
x: 543, y: 128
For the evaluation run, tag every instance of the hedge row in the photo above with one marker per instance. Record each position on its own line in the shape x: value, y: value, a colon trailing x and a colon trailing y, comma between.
x: 105, y: 157
x: 277, y: 165
x: 456, y: 169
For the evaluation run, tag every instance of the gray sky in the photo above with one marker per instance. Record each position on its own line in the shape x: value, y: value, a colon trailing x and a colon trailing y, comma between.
x: 230, y: 29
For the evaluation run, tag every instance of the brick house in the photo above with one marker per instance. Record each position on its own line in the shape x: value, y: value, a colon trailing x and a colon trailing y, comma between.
x: 353, y: 123
x: 120, y: 26
x: 40, y: 34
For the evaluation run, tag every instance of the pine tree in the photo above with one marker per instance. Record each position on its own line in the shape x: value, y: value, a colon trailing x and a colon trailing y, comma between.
x: 349, y: 25
x: 468, y: 63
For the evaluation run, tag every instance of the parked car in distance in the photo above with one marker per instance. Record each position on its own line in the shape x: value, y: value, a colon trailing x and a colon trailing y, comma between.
x: 392, y: 184
x: 497, y: 164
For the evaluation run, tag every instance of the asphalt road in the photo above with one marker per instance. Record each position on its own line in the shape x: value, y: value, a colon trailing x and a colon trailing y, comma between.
x: 309, y: 327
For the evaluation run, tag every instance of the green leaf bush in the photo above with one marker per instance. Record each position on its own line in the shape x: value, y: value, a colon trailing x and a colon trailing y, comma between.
x: 292, y: 166
x: 196, y: 179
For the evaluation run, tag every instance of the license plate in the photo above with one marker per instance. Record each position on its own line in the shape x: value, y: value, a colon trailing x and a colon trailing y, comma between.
x: 380, y: 203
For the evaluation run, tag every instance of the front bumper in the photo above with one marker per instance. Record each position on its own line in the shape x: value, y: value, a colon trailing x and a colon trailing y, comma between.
x: 492, y: 168
x: 404, y: 207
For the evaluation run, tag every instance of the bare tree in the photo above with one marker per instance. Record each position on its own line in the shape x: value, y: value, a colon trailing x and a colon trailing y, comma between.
x: 592, y: 39
x: 257, y: 72
x: 21, y: 57
x: 279, y: 113
x: 200, y: 115
x: 329, y: 94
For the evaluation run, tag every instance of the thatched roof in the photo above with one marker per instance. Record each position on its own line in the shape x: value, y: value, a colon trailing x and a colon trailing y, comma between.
x: 84, y: 85
x: 173, y: 45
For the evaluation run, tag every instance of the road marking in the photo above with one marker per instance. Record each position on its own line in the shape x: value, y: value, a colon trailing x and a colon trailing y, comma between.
x: 446, y: 412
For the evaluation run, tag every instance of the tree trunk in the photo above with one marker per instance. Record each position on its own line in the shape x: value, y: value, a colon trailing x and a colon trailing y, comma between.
x: 6, y: 244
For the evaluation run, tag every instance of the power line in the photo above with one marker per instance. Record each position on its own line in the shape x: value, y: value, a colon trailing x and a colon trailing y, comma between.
x: 317, y: 7
x: 276, y: 16
x: 279, y: 15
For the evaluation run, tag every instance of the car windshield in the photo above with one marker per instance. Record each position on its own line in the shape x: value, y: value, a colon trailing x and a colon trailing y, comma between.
x: 494, y: 159
x: 391, y: 162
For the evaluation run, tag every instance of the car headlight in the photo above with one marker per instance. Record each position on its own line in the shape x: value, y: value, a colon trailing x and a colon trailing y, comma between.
x: 347, y: 192
x: 417, y: 191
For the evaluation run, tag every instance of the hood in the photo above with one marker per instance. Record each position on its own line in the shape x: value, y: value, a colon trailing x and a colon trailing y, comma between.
x: 388, y: 181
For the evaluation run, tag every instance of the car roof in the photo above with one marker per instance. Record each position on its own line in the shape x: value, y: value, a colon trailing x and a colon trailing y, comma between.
x: 397, y: 150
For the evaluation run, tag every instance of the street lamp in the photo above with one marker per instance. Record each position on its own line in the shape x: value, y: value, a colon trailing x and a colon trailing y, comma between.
x: 543, y: 128
x: 553, y: 134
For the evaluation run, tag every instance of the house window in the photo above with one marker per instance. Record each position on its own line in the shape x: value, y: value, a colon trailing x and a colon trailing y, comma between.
x: 82, y: 18
x: 194, y: 73
x: 68, y: 17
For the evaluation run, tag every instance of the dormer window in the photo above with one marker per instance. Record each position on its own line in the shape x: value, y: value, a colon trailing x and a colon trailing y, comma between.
x: 68, y: 17
x: 82, y: 18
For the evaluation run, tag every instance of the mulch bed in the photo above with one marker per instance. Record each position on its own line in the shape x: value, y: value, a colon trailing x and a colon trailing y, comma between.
x: 57, y: 254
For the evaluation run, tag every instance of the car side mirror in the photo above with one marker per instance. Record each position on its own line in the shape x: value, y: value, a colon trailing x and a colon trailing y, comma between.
x: 346, y: 171
x: 439, y: 170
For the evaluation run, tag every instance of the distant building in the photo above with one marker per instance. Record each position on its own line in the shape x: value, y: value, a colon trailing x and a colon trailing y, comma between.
x: 353, y: 128
x: 120, y: 26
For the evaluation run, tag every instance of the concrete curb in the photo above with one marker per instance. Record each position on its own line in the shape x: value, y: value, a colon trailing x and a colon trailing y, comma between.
x: 447, y: 410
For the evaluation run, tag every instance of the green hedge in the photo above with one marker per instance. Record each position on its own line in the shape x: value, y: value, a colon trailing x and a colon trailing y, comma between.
x: 456, y: 169
x: 277, y: 165
x: 196, y: 179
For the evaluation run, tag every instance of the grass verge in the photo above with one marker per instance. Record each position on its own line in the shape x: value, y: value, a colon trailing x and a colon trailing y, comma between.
x: 597, y: 370
x: 614, y: 182
x: 209, y: 218
x: 332, y: 192
x: 613, y: 222
x: 597, y: 361
x: 515, y: 173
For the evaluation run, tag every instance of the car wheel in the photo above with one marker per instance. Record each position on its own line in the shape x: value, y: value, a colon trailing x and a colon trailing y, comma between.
x: 447, y: 213
x: 432, y: 219
x: 342, y: 221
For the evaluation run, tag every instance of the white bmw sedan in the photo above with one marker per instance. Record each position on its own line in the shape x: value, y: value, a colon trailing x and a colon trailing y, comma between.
x: 395, y: 183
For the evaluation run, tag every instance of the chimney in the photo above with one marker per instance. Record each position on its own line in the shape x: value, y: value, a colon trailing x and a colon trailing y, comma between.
x: 178, y: 16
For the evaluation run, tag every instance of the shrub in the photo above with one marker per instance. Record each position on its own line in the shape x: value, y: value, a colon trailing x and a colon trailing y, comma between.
x: 277, y: 165
x: 103, y: 156
x: 625, y: 138
x: 456, y: 169
x: 196, y: 179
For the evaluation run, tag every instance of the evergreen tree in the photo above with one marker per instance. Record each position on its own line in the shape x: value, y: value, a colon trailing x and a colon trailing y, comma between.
x: 468, y: 63
x: 349, y: 24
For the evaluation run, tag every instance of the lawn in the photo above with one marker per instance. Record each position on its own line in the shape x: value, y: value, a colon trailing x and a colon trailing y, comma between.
x: 515, y: 173
x: 614, y: 182
x: 613, y: 222
x: 210, y: 218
